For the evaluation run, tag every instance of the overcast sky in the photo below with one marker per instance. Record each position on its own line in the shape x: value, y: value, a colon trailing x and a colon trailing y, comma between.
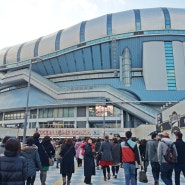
x: 25, y: 20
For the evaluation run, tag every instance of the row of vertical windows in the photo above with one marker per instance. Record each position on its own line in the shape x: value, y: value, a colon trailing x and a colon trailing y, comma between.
x: 94, y: 111
x: 170, y: 68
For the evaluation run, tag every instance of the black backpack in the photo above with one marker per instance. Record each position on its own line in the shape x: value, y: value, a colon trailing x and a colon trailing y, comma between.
x: 170, y: 155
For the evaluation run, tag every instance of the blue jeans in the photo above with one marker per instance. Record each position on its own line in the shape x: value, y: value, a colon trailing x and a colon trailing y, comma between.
x: 166, y: 173
x: 155, y: 170
x: 178, y: 169
x: 129, y: 170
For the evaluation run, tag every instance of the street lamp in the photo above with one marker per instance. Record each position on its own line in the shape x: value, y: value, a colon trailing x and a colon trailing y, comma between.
x: 104, y: 120
x: 27, y: 98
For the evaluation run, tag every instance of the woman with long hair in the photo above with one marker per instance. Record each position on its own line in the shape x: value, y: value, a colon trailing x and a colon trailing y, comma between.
x: 116, y: 155
x: 106, y: 159
x: 89, y: 164
x: 67, y: 154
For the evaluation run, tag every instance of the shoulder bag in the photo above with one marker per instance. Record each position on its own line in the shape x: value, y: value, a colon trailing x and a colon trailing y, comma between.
x: 51, y: 161
x: 62, y: 157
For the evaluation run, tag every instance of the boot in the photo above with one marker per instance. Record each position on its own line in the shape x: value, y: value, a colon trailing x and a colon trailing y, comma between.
x: 43, y: 177
x: 64, y: 180
x: 68, y: 182
x: 108, y: 176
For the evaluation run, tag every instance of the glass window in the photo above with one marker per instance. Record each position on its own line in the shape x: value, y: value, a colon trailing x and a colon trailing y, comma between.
x: 50, y: 113
x: 60, y: 112
x: 170, y: 69
x: 167, y: 18
x: 81, y: 111
x: 81, y: 124
x: 65, y: 112
x: 137, y: 19
x: 109, y: 24
x: 55, y: 112
x: 92, y: 111
x: 82, y: 31
x: 71, y: 112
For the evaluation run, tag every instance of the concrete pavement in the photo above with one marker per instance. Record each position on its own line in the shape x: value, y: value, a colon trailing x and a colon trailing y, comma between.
x: 54, y: 178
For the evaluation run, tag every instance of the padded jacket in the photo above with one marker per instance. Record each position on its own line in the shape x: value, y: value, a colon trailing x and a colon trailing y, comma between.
x: 13, y: 169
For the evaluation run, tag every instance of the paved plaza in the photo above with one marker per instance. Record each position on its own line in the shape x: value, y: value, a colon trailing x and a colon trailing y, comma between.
x: 54, y: 178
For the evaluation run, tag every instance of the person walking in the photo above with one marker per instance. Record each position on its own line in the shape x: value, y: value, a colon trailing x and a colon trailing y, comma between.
x: 142, y: 150
x: 165, y: 167
x: 89, y: 164
x: 78, y: 150
x: 151, y: 156
x: 130, y: 154
x: 116, y: 157
x: 30, y: 153
x: 106, y: 159
x: 57, y: 151
x: 97, y: 148
x: 180, y: 165
x: 67, y: 154
x: 46, y: 151
x: 13, y: 167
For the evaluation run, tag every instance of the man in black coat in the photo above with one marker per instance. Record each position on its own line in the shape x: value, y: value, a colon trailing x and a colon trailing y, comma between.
x: 180, y: 165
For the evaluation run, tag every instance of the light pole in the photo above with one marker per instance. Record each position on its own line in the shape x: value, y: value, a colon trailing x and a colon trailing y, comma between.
x: 104, y: 121
x: 27, y: 100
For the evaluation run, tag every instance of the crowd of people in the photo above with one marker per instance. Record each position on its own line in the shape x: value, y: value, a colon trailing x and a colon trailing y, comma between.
x: 19, y: 164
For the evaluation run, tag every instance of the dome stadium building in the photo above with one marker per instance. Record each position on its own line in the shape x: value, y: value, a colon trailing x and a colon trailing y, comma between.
x: 114, y: 71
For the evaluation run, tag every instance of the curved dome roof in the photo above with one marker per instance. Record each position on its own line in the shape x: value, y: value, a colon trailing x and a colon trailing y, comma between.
x: 87, y: 31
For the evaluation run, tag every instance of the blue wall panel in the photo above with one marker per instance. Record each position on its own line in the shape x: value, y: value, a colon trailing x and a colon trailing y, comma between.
x: 105, y: 52
x: 48, y: 67
x: 56, y: 66
x: 63, y: 64
x: 79, y: 60
x: 96, y: 57
x: 42, y: 69
x: 88, y: 59
x: 71, y: 62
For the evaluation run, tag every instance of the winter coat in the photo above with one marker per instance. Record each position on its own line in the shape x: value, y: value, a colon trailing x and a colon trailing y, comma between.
x: 97, y: 146
x: 89, y: 164
x: 151, y: 151
x: 116, y: 154
x: 78, y: 148
x: 45, y: 150
x: 67, y: 163
x: 13, y: 169
x: 106, y: 149
x: 30, y: 153
x: 162, y: 148
x: 130, y: 152
x: 180, y: 146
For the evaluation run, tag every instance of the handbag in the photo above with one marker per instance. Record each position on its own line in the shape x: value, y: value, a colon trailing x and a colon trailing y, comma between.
x: 142, y: 176
x: 51, y: 161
